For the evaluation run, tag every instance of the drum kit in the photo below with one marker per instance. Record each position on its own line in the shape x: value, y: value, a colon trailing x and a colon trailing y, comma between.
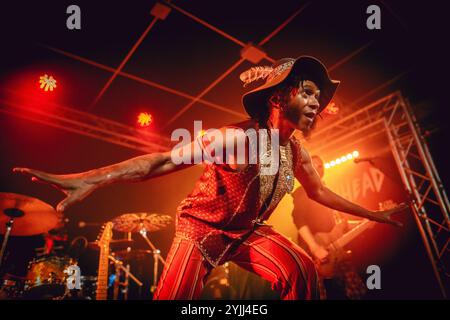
x: 52, y: 274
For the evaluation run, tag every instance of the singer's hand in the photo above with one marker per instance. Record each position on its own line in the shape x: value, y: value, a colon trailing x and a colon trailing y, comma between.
x: 72, y: 185
x: 385, y: 216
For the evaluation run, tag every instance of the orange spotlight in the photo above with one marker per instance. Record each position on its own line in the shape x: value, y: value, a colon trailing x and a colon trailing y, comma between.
x: 47, y: 82
x: 331, y: 108
x: 355, y: 154
x: 144, y: 119
x: 349, y: 156
x: 327, y: 165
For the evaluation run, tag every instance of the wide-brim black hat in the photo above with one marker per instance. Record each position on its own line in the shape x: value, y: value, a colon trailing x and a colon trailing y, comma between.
x: 309, y: 68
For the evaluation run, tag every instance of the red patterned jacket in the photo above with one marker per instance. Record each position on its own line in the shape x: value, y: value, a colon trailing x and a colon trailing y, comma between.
x: 227, y: 205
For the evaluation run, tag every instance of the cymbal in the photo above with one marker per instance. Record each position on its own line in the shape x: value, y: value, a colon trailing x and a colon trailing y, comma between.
x: 31, y: 216
x: 135, y: 222
x: 131, y: 254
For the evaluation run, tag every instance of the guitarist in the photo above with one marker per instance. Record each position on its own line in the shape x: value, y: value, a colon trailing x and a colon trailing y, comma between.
x: 311, y: 219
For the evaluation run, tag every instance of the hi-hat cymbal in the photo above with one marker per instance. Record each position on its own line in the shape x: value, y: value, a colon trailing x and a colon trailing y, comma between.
x: 135, y: 222
x: 31, y: 216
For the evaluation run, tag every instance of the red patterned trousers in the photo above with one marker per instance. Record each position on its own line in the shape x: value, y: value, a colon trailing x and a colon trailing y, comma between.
x: 265, y: 252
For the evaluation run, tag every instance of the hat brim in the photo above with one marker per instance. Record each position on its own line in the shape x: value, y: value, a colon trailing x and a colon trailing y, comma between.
x: 310, y: 67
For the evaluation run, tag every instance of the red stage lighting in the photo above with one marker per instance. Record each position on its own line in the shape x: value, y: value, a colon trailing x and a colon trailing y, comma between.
x: 144, y: 119
x: 47, y: 82
x: 332, y: 108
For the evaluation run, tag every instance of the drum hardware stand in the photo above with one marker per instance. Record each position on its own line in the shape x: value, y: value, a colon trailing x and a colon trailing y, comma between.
x: 125, y: 283
x: 9, y: 225
x: 12, y: 213
x: 116, y: 282
x: 156, y: 258
x: 144, y: 223
x: 42, y: 251
x: 119, y: 267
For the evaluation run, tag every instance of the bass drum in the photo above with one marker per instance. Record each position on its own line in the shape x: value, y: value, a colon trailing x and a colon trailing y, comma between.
x: 46, y: 278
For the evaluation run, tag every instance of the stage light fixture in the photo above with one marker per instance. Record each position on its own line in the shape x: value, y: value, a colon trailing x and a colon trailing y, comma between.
x: 332, y: 108
x: 144, y: 119
x: 341, y: 159
x: 47, y: 82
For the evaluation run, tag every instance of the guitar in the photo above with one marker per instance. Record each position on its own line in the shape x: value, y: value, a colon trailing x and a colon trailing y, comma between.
x: 103, y: 262
x: 335, y: 246
x: 335, y: 241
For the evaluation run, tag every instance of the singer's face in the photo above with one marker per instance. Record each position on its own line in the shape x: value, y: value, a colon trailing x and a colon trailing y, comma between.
x: 302, y: 106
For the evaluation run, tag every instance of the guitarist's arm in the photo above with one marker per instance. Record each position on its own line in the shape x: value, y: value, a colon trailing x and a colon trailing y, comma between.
x: 316, y: 191
x: 318, y: 251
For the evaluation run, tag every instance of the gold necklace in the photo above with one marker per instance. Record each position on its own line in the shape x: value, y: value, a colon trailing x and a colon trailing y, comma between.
x: 287, y: 173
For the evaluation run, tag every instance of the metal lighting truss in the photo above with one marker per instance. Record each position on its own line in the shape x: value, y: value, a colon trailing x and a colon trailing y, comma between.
x: 393, y: 116
x: 86, y: 124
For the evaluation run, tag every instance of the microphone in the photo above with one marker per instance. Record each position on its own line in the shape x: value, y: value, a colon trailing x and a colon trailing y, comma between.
x: 84, y: 224
x: 367, y: 159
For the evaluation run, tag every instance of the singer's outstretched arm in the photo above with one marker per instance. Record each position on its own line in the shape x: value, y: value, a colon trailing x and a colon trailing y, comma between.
x: 78, y: 186
x: 316, y: 191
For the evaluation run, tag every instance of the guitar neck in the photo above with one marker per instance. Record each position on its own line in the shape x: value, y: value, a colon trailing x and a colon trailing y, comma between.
x: 353, y: 233
x: 102, y: 277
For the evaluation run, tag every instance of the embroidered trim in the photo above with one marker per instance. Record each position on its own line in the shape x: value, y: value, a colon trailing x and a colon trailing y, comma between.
x: 282, y: 186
